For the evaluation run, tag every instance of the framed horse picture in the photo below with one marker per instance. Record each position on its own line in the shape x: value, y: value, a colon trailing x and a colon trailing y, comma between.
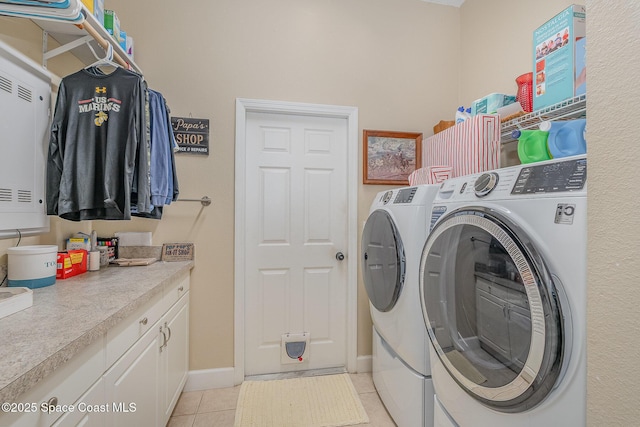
x: 390, y: 157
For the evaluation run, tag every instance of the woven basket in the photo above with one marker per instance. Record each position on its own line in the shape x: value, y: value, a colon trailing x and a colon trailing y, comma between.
x: 444, y: 124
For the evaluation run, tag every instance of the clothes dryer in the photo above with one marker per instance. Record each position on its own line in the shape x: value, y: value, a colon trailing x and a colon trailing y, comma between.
x: 503, y: 294
x: 392, y: 242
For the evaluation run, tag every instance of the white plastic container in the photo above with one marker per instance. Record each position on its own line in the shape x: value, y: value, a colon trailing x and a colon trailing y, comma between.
x: 13, y: 300
x: 32, y: 266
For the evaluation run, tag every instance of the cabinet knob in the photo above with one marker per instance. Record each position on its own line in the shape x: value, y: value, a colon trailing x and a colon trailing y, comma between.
x: 52, y: 402
x: 181, y: 288
x: 144, y: 321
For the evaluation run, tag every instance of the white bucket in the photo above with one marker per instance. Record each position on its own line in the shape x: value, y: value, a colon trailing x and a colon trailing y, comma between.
x: 32, y: 266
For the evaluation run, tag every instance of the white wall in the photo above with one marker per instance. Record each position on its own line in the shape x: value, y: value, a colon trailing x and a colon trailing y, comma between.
x: 613, y: 320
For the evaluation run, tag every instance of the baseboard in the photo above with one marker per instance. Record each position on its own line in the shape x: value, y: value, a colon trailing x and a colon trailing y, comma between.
x: 364, y: 364
x: 205, y: 379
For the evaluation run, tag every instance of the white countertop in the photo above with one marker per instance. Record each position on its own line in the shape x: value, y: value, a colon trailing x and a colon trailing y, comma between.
x: 71, y: 314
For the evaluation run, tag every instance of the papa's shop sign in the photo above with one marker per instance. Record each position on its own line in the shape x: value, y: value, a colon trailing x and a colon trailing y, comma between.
x: 192, y: 135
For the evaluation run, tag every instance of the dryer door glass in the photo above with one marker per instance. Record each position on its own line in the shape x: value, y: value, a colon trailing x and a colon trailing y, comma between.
x: 491, y: 310
x: 383, y: 263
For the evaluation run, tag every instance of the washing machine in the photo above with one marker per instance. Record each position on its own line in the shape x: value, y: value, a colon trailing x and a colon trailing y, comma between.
x: 503, y: 294
x: 392, y: 242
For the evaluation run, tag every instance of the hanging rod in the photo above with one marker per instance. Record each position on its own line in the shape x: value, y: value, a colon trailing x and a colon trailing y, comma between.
x: 102, y: 42
x: 206, y: 201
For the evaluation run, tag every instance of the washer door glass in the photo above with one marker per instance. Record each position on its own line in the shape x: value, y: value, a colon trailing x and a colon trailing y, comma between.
x: 383, y: 262
x: 491, y: 309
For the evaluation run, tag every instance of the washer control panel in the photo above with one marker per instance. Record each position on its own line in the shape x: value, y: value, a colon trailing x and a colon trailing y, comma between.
x: 553, y: 177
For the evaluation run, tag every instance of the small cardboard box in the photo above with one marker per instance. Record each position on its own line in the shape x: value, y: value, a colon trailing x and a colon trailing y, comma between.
x: 89, y: 5
x: 78, y: 243
x: 123, y: 40
x: 98, y: 10
x: 112, y: 24
x: 559, y: 58
x: 130, y: 46
x: 71, y: 263
x: 490, y: 103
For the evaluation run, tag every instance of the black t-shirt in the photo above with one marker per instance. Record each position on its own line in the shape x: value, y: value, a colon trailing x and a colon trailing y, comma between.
x: 98, y: 145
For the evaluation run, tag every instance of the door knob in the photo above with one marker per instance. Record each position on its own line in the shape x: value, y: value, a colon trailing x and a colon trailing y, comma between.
x: 340, y: 256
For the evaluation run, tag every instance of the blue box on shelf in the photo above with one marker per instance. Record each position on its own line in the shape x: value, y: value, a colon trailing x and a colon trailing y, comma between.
x: 559, y: 58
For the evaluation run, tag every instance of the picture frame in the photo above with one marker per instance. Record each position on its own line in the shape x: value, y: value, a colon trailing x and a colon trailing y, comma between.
x: 390, y: 157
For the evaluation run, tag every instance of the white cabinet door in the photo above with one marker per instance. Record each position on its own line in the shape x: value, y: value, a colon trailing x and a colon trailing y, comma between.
x: 493, y: 329
x: 174, y: 357
x: 132, y: 383
x: 519, y: 334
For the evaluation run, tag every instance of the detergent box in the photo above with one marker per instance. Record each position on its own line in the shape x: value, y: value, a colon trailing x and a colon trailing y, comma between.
x: 559, y: 58
x: 112, y: 24
x: 490, y: 103
x: 89, y: 5
x: 71, y: 263
x: 98, y: 10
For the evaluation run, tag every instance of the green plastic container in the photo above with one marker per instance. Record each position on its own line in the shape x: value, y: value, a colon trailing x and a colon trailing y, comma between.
x: 532, y: 146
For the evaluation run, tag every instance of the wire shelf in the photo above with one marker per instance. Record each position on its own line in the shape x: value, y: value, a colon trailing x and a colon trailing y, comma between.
x: 574, y: 108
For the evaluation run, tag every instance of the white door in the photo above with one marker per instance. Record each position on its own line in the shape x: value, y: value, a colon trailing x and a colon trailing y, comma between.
x: 295, y: 225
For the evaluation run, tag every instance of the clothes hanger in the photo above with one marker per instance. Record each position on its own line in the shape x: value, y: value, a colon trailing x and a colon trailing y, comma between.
x: 107, y: 60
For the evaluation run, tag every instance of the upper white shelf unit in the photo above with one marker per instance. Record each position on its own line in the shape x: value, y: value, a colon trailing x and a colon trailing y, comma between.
x: 77, y: 38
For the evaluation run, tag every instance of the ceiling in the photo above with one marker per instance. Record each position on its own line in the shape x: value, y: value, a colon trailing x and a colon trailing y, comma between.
x: 455, y: 3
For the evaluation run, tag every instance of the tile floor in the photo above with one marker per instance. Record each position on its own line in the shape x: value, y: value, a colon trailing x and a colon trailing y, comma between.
x: 217, y: 407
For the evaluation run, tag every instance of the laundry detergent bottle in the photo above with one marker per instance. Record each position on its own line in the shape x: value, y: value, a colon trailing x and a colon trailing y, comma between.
x: 532, y: 145
x: 566, y: 138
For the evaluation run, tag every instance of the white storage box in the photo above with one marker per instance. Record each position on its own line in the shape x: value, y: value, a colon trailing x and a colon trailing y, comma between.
x: 133, y: 238
x: 13, y: 300
x: 32, y: 266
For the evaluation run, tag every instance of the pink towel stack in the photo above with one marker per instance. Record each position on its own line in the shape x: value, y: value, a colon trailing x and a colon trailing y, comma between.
x: 430, y: 175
